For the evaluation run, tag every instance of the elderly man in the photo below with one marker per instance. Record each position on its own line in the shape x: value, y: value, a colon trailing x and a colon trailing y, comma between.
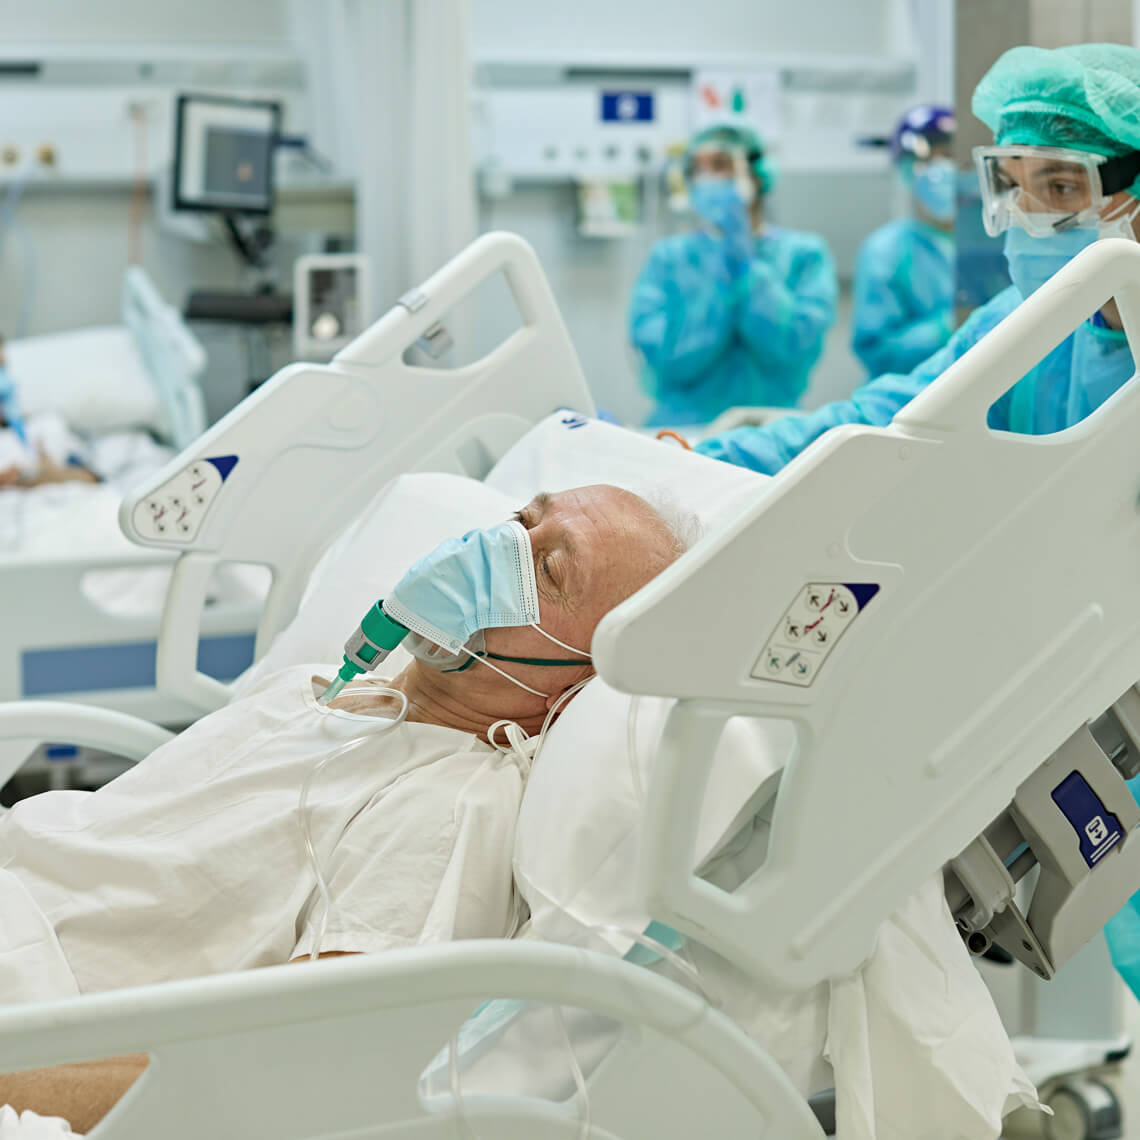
x: 193, y: 863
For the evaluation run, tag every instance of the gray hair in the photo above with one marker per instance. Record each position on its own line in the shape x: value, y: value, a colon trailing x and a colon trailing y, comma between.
x: 683, y: 526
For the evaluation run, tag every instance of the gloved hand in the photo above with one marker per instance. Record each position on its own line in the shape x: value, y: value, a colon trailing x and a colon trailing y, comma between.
x: 718, y: 201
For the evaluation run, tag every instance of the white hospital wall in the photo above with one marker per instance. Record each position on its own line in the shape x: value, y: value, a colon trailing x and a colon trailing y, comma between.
x: 593, y: 278
x: 76, y: 233
x: 78, y: 236
x: 644, y: 28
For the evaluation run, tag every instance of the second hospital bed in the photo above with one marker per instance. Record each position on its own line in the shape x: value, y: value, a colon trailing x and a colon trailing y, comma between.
x: 951, y: 599
x: 79, y: 604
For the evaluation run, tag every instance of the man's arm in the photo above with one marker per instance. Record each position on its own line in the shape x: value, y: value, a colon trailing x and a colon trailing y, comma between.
x: 82, y: 1093
x: 767, y: 449
x: 786, y: 321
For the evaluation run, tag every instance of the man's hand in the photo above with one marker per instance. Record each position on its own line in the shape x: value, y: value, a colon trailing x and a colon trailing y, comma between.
x: 82, y: 1094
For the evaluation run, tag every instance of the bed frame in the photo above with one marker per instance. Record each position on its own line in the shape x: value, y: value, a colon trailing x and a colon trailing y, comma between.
x: 60, y: 642
x: 335, y: 1049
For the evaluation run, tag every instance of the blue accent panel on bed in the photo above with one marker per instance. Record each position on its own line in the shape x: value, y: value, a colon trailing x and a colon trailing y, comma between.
x: 126, y: 665
x: 224, y: 463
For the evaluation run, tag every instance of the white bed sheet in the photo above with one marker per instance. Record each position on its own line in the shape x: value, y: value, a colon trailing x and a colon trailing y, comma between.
x: 80, y: 521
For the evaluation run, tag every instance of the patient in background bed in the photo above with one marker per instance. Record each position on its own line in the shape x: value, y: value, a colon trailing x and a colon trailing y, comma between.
x: 38, y: 450
x: 193, y: 863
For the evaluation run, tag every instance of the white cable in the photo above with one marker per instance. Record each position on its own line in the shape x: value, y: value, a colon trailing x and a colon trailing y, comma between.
x: 550, y: 637
x: 8, y: 221
x: 581, y: 1093
x: 502, y: 672
x: 305, y: 817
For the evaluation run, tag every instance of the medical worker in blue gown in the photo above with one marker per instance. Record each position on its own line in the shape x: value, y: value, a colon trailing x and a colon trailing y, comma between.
x: 735, y: 312
x: 1064, y: 170
x: 904, y: 275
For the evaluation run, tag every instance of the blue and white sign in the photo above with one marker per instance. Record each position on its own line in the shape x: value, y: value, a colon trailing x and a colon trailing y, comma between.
x: 1098, y: 830
x: 627, y: 107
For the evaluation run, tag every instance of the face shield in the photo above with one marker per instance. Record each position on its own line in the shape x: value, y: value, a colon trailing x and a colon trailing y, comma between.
x: 1046, y: 190
x: 715, y: 162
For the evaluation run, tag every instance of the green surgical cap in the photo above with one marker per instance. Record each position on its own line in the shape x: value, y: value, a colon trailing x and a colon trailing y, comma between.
x: 1095, y: 88
x: 735, y: 136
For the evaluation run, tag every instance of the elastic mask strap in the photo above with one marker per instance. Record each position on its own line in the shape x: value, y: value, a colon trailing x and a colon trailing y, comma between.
x: 1119, y: 173
x: 544, y: 662
x: 503, y: 673
x: 562, y: 644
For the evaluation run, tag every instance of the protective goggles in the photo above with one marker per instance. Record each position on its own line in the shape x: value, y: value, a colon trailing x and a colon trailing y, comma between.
x: 1045, y: 190
x: 720, y: 159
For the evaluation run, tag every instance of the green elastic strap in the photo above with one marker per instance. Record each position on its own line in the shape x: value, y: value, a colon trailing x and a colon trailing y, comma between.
x: 544, y: 662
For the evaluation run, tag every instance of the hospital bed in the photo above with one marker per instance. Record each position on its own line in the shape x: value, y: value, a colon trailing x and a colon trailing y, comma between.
x: 1003, y: 646
x: 79, y: 603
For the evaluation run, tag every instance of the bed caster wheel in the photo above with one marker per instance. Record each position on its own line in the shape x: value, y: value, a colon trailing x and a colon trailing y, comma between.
x: 1083, y: 1109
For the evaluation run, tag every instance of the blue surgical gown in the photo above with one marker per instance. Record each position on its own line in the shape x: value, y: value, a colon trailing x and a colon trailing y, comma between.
x: 715, y: 334
x: 1076, y: 377
x: 903, y: 296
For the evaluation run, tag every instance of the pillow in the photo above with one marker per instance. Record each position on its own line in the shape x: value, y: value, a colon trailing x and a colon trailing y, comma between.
x: 580, y: 825
x: 406, y: 518
x: 568, y: 450
x: 92, y: 377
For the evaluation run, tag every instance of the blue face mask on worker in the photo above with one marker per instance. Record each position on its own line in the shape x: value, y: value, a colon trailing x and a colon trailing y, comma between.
x: 932, y: 184
x: 1033, y: 260
x: 484, y: 580
x: 722, y: 201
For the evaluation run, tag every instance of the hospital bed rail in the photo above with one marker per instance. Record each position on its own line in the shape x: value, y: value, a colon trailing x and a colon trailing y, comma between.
x: 323, y: 439
x: 1011, y: 684
x: 983, y: 610
x: 337, y: 1049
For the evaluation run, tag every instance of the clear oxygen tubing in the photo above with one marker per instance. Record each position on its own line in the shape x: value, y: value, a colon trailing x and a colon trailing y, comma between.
x: 333, y: 691
x: 683, y: 966
x: 305, y: 815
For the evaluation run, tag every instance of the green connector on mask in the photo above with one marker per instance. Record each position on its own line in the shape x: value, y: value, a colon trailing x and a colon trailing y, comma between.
x: 375, y: 637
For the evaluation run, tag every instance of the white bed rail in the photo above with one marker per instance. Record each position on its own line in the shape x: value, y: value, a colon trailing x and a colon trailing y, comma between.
x: 173, y: 356
x: 337, y: 1049
x: 991, y: 595
x: 35, y: 722
x: 298, y: 460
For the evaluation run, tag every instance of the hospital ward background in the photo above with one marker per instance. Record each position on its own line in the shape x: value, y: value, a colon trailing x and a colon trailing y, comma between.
x: 599, y: 419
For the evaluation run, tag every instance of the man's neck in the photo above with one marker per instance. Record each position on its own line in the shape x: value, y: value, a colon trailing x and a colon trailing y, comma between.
x: 464, y: 701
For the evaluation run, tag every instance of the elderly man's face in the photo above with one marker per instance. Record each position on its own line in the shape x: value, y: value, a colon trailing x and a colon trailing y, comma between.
x: 593, y: 547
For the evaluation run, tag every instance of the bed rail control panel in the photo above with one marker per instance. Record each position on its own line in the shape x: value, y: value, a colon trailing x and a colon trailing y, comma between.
x: 174, y: 511
x: 809, y: 630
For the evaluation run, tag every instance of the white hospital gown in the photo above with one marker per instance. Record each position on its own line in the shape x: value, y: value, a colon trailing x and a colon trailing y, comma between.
x: 192, y: 862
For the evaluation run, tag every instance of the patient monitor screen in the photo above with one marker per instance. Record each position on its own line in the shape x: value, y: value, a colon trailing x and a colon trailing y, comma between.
x: 224, y: 154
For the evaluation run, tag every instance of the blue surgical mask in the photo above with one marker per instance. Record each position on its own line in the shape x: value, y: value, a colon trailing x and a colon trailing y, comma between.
x: 1033, y: 260
x: 717, y: 200
x: 484, y: 580
x: 933, y: 187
